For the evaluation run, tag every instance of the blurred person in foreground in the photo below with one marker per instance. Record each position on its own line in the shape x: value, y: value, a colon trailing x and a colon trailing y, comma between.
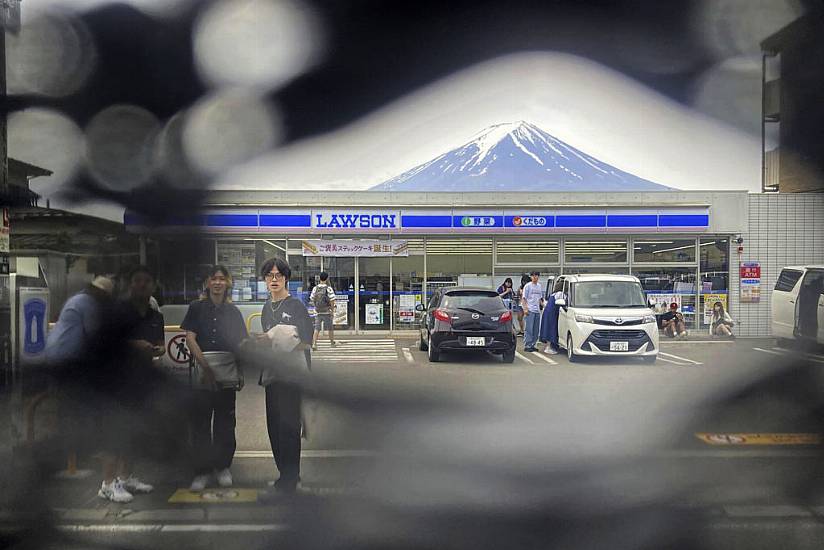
x: 75, y: 353
x: 141, y: 328
x: 288, y: 330
x: 84, y: 349
x: 213, y: 324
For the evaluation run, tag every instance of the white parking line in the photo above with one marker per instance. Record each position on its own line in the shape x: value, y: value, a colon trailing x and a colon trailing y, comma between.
x: 771, y: 352
x: 676, y: 342
x: 523, y: 357
x: 318, y: 453
x: 545, y: 358
x: 670, y: 360
x: 810, y: 355
x: 408, y: 355
x: 172, y: 528
x: 679, y: 358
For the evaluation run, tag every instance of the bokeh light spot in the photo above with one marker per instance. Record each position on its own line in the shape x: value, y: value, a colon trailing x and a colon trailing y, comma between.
x: 261, y: 43
x: 228, y: 128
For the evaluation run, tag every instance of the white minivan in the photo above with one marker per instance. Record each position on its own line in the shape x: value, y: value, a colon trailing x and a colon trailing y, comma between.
x: 605, y: 315
x: 798, y: 304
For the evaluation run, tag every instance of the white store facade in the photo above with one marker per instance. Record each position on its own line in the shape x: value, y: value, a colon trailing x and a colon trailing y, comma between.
x: 386, y: 252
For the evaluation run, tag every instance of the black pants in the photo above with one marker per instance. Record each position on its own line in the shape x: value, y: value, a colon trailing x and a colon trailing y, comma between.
x: 283, y: 425
x: 213, y: 430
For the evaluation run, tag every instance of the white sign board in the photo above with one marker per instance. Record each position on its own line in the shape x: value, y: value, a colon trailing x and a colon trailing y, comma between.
x: 354, y: 248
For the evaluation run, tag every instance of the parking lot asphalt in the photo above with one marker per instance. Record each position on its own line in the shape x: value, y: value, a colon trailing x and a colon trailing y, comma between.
x: 729, y: 427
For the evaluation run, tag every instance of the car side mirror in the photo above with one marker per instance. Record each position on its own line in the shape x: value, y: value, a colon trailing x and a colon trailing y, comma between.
x: 419, y: 307
x: 561, y: 302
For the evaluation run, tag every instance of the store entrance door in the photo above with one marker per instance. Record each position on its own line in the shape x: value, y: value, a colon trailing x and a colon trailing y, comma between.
x: 374, y: 311
x: 362, y: 292
x: 342, y: 277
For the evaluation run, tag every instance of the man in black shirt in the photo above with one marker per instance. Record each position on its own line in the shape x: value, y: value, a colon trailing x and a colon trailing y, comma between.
x: 672, y: 322
x: 142, y: 330
x: 283, y: 400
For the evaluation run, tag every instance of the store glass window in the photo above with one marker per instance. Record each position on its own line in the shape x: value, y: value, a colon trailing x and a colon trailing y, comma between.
x: 663, y: 250
x: 458, y: 261
x: 182, y: 269
x: 239, y: 257
x: 587, y: 251
x: 527, y: 252
x: 305, y: 269
x: 665, y: 285
x: 715, y: 274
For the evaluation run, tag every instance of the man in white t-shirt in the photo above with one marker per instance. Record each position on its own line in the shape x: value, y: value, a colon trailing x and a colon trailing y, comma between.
x: 323, y: 298
x: 532, y: 299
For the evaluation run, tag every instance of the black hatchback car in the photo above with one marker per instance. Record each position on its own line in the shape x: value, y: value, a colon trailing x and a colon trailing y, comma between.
x: 464, y: 318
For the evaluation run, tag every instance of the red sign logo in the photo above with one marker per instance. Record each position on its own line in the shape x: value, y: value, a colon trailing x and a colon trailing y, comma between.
x: 177, y: 349
x: 516, y: 221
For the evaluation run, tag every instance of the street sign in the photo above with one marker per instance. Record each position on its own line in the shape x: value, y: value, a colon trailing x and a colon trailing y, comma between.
x: 32, y: 322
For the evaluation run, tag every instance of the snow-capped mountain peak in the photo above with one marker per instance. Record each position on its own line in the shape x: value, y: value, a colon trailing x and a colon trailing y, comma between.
x: 516, y: 156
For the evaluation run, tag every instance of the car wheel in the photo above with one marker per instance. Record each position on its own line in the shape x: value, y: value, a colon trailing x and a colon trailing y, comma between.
x: 434, y: 354
x: 650, y: 359
x: 422, y: 344
x: 571, y: 350
x: 509, y: 355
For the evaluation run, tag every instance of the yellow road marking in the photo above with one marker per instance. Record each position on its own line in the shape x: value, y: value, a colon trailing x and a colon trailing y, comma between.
x: 214, y: 496
x: 760, y: 438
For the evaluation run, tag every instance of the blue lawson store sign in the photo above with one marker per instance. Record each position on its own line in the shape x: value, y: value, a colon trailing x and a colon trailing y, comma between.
x: 411, y: 221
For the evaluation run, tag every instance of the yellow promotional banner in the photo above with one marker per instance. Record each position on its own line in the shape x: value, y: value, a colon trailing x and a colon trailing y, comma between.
x: 760, y: 438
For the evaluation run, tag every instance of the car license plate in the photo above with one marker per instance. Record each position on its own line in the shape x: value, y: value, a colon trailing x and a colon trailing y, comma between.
x: 475, y: 341
x: 619, y: 346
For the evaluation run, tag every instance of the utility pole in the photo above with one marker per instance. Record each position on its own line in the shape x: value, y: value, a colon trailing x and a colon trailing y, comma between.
x: 10, y: 23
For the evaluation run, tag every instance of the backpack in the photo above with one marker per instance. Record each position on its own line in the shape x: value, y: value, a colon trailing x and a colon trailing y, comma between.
x: 321, y: 300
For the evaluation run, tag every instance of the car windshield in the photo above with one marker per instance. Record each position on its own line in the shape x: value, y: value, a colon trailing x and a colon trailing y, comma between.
x: 603, y: 294
x: 475, y: 302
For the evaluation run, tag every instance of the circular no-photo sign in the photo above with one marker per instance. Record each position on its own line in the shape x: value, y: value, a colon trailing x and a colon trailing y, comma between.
x: 177, y: 349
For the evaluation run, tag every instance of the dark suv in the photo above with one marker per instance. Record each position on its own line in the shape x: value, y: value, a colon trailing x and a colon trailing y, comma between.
x: 464, y: 318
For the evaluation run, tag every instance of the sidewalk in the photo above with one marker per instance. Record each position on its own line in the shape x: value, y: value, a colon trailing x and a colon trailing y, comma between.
x: 63, y: 500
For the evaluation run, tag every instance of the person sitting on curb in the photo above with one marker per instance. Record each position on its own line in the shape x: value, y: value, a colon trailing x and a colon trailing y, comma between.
x: 672, y: 322
x: 722, y: 323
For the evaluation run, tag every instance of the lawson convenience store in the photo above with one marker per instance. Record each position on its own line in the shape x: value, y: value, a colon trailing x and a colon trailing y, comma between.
x: 386, y: 252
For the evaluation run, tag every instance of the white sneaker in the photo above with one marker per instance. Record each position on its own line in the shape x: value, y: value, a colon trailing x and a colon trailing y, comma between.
x: 114, y: 491
x: 199, y: 483
x: 550, y: 351
x: 224, y: 478
x: 134, y: 485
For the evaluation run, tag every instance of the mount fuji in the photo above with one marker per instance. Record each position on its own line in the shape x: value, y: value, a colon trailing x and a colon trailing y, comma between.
x: 516, y: 156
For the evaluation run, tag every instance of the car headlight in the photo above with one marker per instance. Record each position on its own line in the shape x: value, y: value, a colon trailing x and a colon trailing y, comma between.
x: 648, y: 319
x: 583, y: 318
